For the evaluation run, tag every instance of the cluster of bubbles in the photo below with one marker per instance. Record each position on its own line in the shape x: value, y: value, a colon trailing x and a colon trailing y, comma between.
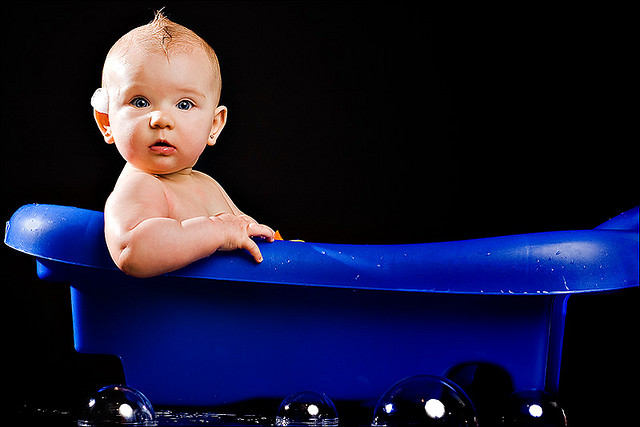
x: 433, y: 401
x: 416, y: 401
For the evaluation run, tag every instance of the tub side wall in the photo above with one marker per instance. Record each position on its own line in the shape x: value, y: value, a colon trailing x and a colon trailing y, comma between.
x: 224, y: 342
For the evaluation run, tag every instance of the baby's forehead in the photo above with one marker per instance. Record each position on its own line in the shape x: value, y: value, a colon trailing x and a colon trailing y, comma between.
x: 146, y: 42
x: 137, y: 60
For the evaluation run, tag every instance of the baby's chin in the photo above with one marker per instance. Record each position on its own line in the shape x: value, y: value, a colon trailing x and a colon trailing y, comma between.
x: 179, y: 169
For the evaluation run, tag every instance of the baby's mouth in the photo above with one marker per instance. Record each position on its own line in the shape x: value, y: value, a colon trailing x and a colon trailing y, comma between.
x: 162, y: 147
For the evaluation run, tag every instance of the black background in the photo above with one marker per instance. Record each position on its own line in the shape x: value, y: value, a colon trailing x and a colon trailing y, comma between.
x: 350, y: 122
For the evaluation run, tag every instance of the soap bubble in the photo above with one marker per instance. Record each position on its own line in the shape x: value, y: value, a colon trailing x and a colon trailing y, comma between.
x: 307, y: 408
x: 532, y: 409
x: 488, y: 386
x: 424, y: 400
x: 117, y: 405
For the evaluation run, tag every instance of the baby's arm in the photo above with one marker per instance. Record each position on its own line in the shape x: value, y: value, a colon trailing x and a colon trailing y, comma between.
x: 143, y: 241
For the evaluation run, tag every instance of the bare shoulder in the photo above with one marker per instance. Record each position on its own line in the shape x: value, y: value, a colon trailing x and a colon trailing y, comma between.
x: 136, y: 196
x: 136, y: 186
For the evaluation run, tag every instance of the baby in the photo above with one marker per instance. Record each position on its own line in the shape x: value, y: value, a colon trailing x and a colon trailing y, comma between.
x: 159, y: 105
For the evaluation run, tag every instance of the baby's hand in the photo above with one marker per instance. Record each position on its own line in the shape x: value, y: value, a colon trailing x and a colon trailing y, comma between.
x: 237, y: 231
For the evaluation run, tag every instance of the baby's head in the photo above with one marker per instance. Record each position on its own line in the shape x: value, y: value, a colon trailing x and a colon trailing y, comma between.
x: 159, y: 97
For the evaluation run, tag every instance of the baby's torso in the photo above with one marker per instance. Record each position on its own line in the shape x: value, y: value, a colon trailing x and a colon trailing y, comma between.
x: 194, y: 195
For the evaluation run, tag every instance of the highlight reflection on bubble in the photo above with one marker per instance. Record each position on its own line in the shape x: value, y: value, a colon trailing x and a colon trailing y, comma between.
x: 307, y: 408
x: 423, y: 401
x: 117, y: 405
x: 534, y: 408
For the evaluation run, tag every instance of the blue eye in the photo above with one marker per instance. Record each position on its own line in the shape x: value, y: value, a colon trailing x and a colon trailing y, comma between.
x: 184, y: 105
x: 139, y: 102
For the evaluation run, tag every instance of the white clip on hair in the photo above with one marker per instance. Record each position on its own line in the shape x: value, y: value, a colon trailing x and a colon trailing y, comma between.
x: 100, y: 100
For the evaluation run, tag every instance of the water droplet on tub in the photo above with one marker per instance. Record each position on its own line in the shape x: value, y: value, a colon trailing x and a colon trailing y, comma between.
x: 307, y: 408
x: 424, y: 400
x: 118, y: 405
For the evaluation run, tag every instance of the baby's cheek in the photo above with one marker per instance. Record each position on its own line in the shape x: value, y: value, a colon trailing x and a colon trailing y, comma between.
x: 129, y: 144
x: 125, y: 150
x: 128, y: 134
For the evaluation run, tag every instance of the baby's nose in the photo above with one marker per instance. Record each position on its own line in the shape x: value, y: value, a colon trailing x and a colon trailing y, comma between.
x: 160, y: 119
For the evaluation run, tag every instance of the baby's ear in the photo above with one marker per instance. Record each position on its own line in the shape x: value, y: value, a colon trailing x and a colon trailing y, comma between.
x: 102, y: 120
x: 219, y: 120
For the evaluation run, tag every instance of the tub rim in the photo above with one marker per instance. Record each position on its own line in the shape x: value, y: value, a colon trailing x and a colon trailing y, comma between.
x: 547, y: 263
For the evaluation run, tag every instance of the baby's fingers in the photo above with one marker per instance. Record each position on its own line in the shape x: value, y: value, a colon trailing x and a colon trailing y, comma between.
x: 258, y: 230
x: 253, y: 249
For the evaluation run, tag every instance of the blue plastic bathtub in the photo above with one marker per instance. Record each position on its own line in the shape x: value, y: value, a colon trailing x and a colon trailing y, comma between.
x: 346, y: 320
